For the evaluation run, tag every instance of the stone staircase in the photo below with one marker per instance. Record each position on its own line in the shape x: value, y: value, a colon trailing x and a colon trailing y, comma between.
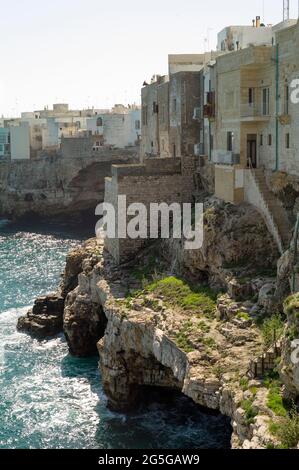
x: 272, y: 210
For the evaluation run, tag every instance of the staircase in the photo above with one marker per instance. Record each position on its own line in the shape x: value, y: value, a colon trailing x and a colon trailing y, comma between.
x: 258, y: 194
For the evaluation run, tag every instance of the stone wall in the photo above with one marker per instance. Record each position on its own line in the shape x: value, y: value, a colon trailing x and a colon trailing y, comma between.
x: 156, y: 181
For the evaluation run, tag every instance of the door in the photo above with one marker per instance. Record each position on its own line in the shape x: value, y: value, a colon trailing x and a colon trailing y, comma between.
x: 252, y: 150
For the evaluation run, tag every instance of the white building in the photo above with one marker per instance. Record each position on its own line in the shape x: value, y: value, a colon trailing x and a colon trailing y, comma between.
x: 50, y: 134
x: 234, y: 38
x: 119, y: 128
x: 20, y: 141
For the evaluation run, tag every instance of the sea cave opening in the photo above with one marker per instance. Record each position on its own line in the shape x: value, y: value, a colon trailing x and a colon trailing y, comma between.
x: 172, y: 420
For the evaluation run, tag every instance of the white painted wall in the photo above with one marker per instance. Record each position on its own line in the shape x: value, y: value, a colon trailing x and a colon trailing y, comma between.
x: 20, y: 142
x: 51, y: 134
x: 245, y: 35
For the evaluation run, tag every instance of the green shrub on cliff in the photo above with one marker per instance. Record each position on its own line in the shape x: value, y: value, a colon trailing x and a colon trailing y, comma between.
x: 272, y: 330
x: 275, y: 401
x: 287, y: 429
x: 250, y: 411
x: 178, y: 293
x: 291, y: 305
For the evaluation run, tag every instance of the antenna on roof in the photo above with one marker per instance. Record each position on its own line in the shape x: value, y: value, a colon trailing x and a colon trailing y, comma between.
x: 286, y: 10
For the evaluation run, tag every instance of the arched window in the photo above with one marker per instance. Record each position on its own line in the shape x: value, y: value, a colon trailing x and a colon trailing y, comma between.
x: 99, y: 122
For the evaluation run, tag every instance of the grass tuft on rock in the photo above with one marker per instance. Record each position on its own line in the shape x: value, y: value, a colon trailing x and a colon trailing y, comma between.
x: 250, y: 411
x: 178, y: 293
x: 272, y: 330
x: 291, y: 305
x: 286, y: 430
x: 275, y: 400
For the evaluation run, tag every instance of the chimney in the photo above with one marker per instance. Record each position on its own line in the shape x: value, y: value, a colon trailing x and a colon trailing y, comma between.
x: 258, y: 21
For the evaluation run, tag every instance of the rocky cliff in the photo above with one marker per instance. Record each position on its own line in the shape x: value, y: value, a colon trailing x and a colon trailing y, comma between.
x: 56, y: 187
x: 156, y: 322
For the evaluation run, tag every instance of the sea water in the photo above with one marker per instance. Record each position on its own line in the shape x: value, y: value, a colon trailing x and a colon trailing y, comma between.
x: 49, y: 399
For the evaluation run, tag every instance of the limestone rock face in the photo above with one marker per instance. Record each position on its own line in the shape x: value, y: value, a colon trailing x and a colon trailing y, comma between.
x: 284, y: 273
x: 45, y: 318
x: 143, y: 339
x: 84, y: 323
x: 52, y: 187
x: 140, y: 349
x: 236, y: 243
x: 289, y: 368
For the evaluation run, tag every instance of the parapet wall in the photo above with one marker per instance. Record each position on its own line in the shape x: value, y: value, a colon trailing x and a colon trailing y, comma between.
x: 156, y: 181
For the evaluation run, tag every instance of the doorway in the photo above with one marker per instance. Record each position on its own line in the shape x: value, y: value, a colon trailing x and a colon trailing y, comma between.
x: 252, y: 150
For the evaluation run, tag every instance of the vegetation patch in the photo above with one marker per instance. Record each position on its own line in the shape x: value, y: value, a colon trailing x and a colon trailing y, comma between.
x: 286, y: 430
x: 272, y: 330
x: 275, y: 401
x: 291, y: 305
x: 250, y: 411
x: 178, y: 293
x: 244, y: 383
x: 182, y: 338
x: 243, y: 316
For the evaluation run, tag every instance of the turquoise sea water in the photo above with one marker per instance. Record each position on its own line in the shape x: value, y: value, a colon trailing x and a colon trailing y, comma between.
x: 49, y: 399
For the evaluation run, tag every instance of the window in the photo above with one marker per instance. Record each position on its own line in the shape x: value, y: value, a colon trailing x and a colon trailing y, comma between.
x: 270, y: 140
x: 197, y: 113
x: 251, y: 96
x: 99, y: 122
x: 174, y: 105
x: 155, y: 108
x: 144, y: 116
x: 266, y: 101
x: 288, y: 141
x: 286, y: 99
x: 230, y: 139
x: 261, y: 140
x: 174, y: 150
x: 137, y: 125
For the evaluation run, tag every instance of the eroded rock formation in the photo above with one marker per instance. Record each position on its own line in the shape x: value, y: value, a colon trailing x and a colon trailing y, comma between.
x: 174, y: 333
x: 45, y: 319
x: 57, y: 188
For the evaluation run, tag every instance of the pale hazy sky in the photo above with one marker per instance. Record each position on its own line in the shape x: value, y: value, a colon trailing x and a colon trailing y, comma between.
x: 99, y: 52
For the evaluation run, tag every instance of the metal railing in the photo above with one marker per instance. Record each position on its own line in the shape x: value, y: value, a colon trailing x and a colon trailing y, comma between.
x: 252, y: 110
x: 269, y: 219
x: 225, y: 157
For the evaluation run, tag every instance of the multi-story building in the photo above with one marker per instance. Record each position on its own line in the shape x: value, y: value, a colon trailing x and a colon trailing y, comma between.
x: 255, y: 121
x: 20, y: 141
x: 118, y: 128
x: 4, y: 142
x: 172, y: 109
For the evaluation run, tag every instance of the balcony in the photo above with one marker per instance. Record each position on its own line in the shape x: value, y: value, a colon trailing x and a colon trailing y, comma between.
x: 251, y: 112
x: 224, y: 157
x: 209, y: 110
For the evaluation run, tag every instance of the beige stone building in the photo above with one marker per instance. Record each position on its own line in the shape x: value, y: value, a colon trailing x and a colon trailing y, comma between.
x: 172, y: 109
x: 254, y: 127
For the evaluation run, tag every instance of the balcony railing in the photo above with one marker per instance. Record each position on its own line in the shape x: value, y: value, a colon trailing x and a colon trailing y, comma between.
x: 224, y: 157
x: 251, y: 110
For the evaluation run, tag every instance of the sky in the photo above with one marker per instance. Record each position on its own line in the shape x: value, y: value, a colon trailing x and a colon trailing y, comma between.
x: 99, y: 52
